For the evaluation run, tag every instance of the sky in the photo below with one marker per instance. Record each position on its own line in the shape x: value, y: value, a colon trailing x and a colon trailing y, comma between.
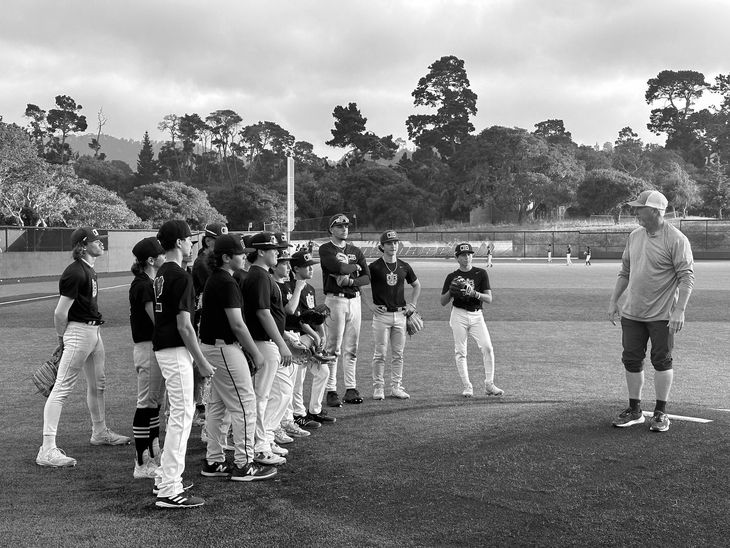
x: 291, y: 62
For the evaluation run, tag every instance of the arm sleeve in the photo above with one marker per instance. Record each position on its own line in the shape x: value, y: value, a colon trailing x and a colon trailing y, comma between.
x: 187, y: 296
x: 69, y: 284
x: 625, y: 261
x: 684, y: 263
x: 484, y: 282
x: 410, y: 275
x: 447, y: 283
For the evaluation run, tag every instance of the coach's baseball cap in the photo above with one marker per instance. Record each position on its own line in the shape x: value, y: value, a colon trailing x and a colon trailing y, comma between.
x: 389, y: 236
x: 303, y: 258
x: 268, y: 240
x: 339, y: 219
x: 172, y: 231
x: 84, y: 235
x: 464, y: 247
x: 650, y: 198
x: 146, y: 248
x: 228, y: 244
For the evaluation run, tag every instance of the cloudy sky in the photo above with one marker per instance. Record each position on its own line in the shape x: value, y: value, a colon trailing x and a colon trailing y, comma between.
x: 291, y: 62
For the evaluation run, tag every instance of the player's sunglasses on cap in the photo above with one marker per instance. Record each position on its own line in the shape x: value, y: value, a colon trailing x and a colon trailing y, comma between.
x: 85, y: 235
x: 214, y: 230
x: 339, y: 220
x: 463, y: 248
x: 268, y: 240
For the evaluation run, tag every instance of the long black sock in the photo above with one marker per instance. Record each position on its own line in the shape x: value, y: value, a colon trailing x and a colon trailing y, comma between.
x: 635, y: 405
x: 154, y: 418
x: 141, y: 428
x: 660, y: 407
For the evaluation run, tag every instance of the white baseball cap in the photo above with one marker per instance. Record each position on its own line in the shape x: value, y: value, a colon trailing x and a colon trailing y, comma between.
x: 650, y: 198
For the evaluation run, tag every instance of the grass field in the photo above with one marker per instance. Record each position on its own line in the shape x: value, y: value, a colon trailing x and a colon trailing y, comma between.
x: 540, y: 467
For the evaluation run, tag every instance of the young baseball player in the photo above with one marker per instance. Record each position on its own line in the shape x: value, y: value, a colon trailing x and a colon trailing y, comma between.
x: 264, y: 313
x: 149, y: 257
x: 200, y: 272
x: 78, y: 326
x: 312, y: 336
x: 588, y: 256
x: 176, y: 345
x: 468, y: 288
x: 223, y: 336
x: 344, y: 272
x: 489, y: 256
x: 550, y: 253
x: 568, y: 261
x: 388, y: 276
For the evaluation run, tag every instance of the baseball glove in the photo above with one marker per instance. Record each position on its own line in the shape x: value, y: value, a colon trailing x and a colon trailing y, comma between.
x: 414, y: 323
x: 459, y: 287
x: 315, y: 316
x: 44, y: 377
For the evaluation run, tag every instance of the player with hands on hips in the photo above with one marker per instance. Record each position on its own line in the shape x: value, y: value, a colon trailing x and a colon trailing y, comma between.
x: 224, y: 336
x: 388, y: 276
x: 149, y: 257
x: 264, y: 314
x: 657, y: 275
x: 468, y: 288
x: 176, y: 345
x: 344, y: 272
x: 78, y: 325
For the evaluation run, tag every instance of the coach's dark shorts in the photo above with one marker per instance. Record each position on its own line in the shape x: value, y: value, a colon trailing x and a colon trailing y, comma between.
x: 636, y: 335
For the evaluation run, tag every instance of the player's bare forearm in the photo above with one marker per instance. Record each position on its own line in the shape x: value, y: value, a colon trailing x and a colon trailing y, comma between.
x: 415, y: 292
x: 269, y: 325
x: 60, y: 316
x: 190, y: 339
x: 240, y: 330
x: 445, y: 298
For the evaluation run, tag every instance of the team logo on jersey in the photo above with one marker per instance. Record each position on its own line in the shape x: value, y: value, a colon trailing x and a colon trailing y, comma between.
x: 94, y: 288
x: 310, y: 301
x: 391, y: 278
x: 157, y: 284
x: 341, y: 257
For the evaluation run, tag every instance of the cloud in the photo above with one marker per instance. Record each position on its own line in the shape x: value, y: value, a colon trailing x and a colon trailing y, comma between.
x: 289, y: 62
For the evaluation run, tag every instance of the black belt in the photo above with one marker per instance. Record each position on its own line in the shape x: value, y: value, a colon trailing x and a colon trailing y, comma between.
x: 397, y: 309
x: 212, y: 342
x: 468, y: 309
x: 93, y: 322
x: 345, y: 295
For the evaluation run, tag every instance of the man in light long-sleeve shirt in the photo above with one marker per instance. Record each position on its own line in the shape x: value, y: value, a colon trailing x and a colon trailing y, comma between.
x: 657, y: 275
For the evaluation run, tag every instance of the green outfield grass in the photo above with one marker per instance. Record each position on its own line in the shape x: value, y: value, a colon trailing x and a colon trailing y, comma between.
x: 540, y: 467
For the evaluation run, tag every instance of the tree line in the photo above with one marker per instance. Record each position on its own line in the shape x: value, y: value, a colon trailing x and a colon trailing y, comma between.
x: 216, y: 167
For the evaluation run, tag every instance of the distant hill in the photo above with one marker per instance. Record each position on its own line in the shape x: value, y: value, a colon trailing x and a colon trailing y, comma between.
x: 125, y: 150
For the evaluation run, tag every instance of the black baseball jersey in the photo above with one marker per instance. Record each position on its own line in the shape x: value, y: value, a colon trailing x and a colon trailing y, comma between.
x: 174, y: 293
x: 221, y: 292
x: 261, y: 292
x: 201, y: 272
x: 141, y: 292
x: 388, y: 282
x: 78, y: 282
x: 477, y: 278
x: 341, y: 260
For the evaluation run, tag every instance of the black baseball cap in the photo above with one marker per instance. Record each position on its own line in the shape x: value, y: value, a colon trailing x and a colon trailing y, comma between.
x: 389, y: 236
x: 267, y: 240
x: 283, y: 255
x: 171, y: 231
x: 84, y: 235
x: 146, y: 248
x: 464, y: 247
x: 339, y: 219
x: 213, y: 230
x: 228, y: 244
x: 303, y: 258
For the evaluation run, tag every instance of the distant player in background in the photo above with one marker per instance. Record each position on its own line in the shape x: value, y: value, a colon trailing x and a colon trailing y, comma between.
x: 388, y: 276
x: 489, y: 255
x: 78, y: 325
x: 568, y: 261
x: 467, y: 318
x: 550, y: 253
x: 149, y: 257
x: 344, y: 272
x: 588, y: 256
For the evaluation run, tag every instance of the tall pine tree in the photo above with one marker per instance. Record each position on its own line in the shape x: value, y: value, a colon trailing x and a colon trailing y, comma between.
x: 146, y: 164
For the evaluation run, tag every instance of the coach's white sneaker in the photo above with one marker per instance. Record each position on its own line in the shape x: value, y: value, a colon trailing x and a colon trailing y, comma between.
x: 55, y: 458
x: 379, y: 393
x: 491, y: 390
x: 398, y: 392
x: 107, y: 437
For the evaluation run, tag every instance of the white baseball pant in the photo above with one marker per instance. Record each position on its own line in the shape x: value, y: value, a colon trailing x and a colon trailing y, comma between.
x: 464, y: 324
x: 389, y: 329
x: 343, y: 336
